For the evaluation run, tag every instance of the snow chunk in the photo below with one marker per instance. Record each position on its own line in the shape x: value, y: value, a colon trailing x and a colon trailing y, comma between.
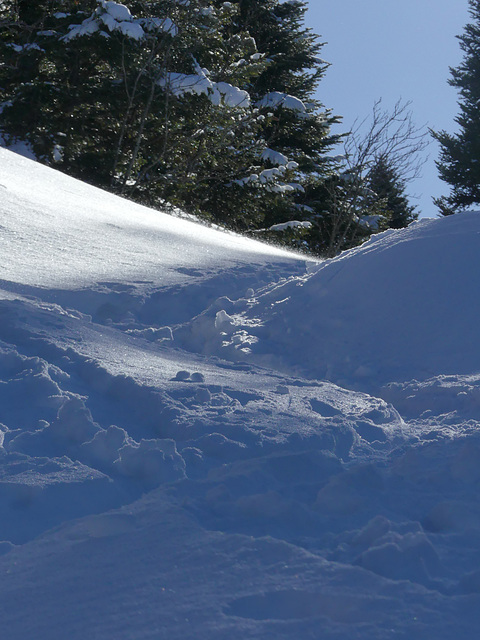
x: 74, y: 423
x: 109, y: 21
x: 115, y: 16
x: 87, y: 28
x: 220, y: 93
x: 151, y: 461
x: 291, y: 224
x: 229, y: 95
x: 57, y: 153
x: 224, y: 322
x: 103, y: 449
x: 131, y: 29
x: 274, y: 157
x: 181, y: 84
x: 118, y: 11
x: 182, y: 375
x: 276, y: 99
x: 25, y: 47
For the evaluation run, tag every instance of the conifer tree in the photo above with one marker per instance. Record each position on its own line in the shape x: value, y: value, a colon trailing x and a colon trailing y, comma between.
x: 205, y: 107
x: 459, y: 163
x: 301, y: 127
x: 388, y: 192
x: 296, y: 126
x: 146, y: 104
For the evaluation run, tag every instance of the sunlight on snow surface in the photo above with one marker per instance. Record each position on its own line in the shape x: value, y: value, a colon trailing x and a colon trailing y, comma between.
x: 205, y: 437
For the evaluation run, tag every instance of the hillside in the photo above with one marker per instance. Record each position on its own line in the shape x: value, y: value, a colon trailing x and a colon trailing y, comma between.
x: 204, y: 437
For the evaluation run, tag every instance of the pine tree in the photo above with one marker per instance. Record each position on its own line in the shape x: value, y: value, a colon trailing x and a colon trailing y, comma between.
x: 459, y: 163
x: 295, y: 69
x: 209, y: 108
x: 388, y: 192
x: 127, y: 103
x: 296, y: 126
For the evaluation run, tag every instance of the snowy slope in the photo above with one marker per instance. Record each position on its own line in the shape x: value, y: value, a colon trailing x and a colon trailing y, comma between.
x: 204, y: 437
x: 402, y: 306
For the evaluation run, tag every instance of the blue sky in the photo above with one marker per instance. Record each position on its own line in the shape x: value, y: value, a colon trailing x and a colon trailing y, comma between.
x: 390, y: 49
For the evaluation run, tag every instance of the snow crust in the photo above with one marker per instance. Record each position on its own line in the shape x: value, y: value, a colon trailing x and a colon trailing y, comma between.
x: 205, y: 437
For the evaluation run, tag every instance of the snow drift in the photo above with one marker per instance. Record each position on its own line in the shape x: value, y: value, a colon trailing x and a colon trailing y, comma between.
x: 206, y: 437
x: 402, y: 306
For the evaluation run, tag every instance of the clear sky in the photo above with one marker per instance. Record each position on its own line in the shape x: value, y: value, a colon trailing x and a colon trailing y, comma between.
x: 392, y: 49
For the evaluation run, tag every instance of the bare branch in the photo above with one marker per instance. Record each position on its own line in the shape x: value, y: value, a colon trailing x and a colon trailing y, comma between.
x: 392, y: 136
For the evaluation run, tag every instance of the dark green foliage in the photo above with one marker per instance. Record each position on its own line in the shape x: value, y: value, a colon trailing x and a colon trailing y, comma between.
x: 279, y: 32
x: 339, y: 213
x: 104, y: 106
x: 98, y: 106
x: 459, y: 163
x: 99, y: 98
x: 388, y: 191
x: 294, y: 68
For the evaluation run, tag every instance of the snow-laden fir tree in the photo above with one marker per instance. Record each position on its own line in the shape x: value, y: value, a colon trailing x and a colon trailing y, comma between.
x: 296, y: 124
x: 208, y: 107
x: 145, y: 99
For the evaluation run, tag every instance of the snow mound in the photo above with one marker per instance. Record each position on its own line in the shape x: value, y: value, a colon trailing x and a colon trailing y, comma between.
x: 403, y: 306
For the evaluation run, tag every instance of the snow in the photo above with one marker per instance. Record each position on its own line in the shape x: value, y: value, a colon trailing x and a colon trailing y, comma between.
x: 116, y: 17
x: 276, y: 99
x: 163, y: 24
x: 271, y: 179
x: 230, y: 96
x: 118, y: 11
x: 131, y: 30
x: 219, y: 93
x: 274, y: 157
x: 86, y: 28
x: 207, y: 437
x: 291, y: 224
x: 26, y: 47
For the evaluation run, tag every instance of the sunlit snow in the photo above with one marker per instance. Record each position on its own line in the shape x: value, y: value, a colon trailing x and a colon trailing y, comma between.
x: 204, y: 437
x: 276, y: 99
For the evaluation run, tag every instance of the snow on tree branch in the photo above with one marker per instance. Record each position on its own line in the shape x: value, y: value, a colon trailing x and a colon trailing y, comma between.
x: 117, y: 17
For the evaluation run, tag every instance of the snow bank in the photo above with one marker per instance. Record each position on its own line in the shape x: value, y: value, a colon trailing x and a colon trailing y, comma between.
x: 400, y: 307
x: 83, y: 236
